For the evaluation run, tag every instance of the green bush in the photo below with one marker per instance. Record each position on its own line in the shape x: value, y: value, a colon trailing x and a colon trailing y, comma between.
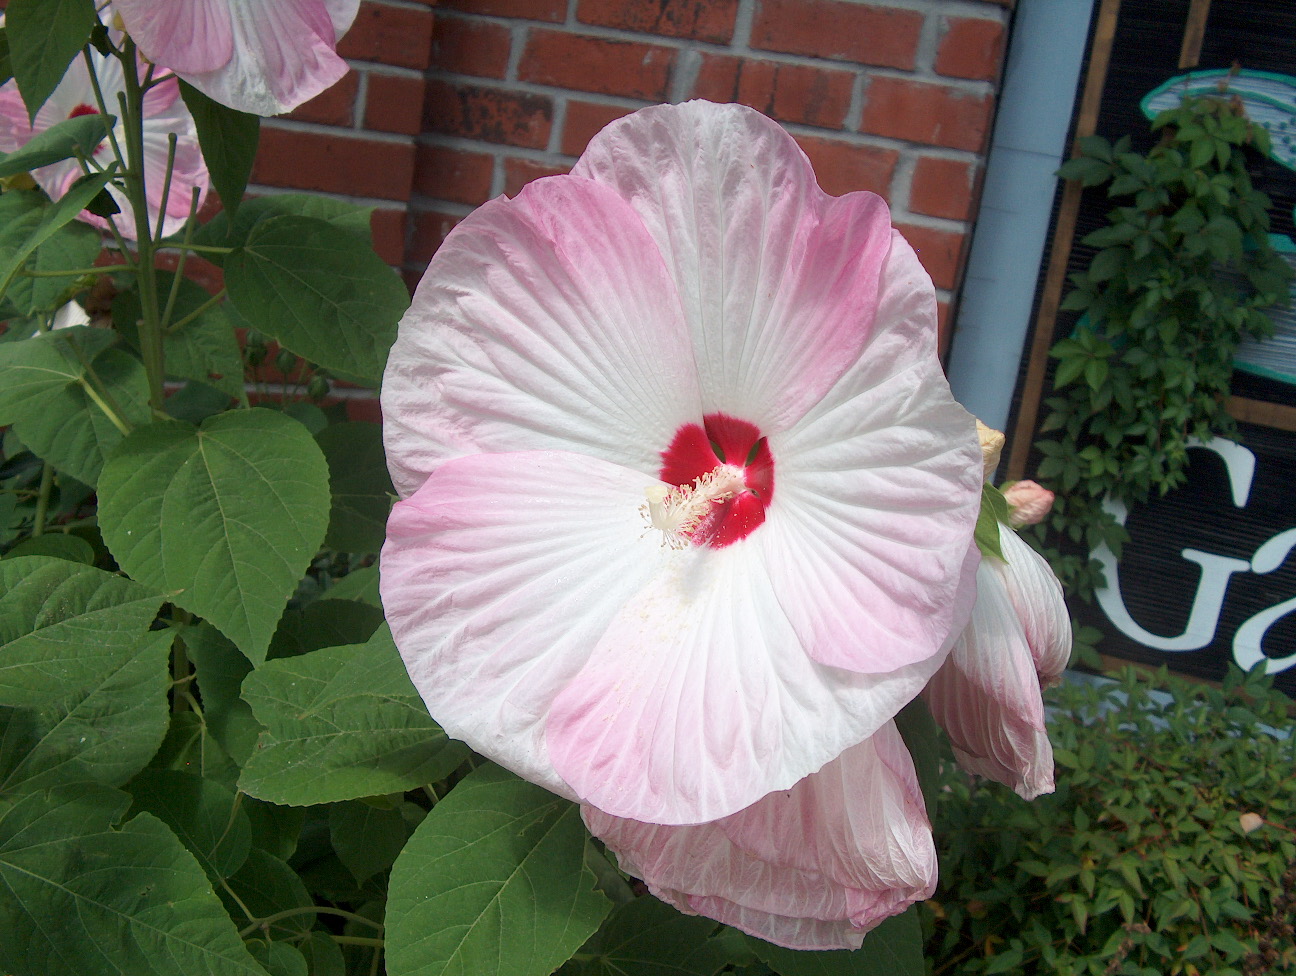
x: 1168, y: 847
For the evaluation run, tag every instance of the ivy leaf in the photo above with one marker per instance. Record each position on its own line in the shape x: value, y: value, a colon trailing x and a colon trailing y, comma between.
x: 894, y: 948
x: 994, y: 510
x: 320, y: 291
x: 361, y: 487
x: 44, y: 37
x: 493, y: 883
x: 62, y: 624
x: 82, y: 898
x: 342, y: 723
x: 228, y: 139
x: 224, y: 517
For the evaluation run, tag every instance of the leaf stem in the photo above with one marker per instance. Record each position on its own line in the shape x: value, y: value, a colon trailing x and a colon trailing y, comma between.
x: 42, y: 500
x: 216, y: 299
x: 76, y: 272
x: 180, y: 263
x: 114, y: 418
x: 269, y: 920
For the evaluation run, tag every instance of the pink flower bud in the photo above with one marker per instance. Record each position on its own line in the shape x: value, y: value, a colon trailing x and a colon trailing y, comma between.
x: 1028, y: 502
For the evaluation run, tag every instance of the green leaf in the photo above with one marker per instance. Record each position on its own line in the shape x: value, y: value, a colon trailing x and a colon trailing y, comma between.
x: 362, y: 489
x: 318, y: 290
x: 190, y: 747
x: 6, y: 65
x: 926, y: 744
x: 221, y: 668
x: 324, y: 623
x: 493, y: 883
x: 648, y: 938
x: 62, y: 625
x: 104, y: 730
x: 81, y: 898
x: 204, y: 815
x: 44, y: 37
x: 58, y: 545
x: 323, y: 956
x: 224, y: 517
x: 228, y: 139
x: 75, y: 246
x: 43, y: 394
x: 894, y: 948
x: 267, y: 886
x: 342, y: 723
x: 61, y: 141
x: 62, y: 211
x: 225, y: 230
x: 367, y: 838
x: 360, y: 585
x: 994, y: 510
x: 278, y: 958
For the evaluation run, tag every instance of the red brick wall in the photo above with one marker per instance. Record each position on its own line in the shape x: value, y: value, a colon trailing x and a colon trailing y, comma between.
x: 894, y: 97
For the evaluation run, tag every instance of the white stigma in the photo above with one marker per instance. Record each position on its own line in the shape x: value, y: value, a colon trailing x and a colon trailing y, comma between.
x: 678, y: 511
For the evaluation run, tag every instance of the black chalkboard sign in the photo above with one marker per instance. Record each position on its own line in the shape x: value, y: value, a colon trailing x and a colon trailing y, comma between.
x: 1210, y: 575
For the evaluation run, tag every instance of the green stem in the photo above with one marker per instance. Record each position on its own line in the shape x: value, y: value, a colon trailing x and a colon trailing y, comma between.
x: 257, y: 923
x: 170, y: 173
x: 42, y: 500
x: 102, y: 404
x: 184, y: 257
x: 76, y: 272
x: 201, y: 248
x: 150, y: 325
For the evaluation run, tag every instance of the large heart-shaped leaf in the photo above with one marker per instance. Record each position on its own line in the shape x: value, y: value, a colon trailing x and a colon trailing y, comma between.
x: 63, y: 624
x: 320, y: 291
x: 82, y: 898
x: 493, y: 883
x: 342, y: 723
x: 224, y: 518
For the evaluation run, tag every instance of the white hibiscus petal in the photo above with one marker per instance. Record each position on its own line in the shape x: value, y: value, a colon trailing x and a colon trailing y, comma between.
x: 1036, y: 596
x: 545, y: 322
x: 498, y: 578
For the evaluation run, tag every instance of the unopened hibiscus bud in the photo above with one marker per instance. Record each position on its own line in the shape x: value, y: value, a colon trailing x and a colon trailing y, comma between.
x: 992, y: 442
x: 1028, y: 503
x: 1250, y: 822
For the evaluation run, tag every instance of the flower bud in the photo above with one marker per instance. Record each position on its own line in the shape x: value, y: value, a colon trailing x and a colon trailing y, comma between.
x: 1028, y: 502
x: 992, y: 443
x: 285, y: 361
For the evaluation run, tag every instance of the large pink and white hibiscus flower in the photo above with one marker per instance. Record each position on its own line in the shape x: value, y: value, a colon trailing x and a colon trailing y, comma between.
x: 258, y: 56
x: 164, y: 113
x: 687, y: 515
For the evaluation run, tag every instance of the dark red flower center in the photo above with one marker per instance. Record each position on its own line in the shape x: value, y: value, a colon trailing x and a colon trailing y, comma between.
x: 83, y: 109
x: 722, y: 442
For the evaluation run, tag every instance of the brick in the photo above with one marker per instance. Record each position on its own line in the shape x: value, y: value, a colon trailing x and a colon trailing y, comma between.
x: 940, y: 251
x: 944, y: 187
x: 787, y: 92
x: 519, y: 172
x: 364, y: 409
x: 334, y: 164
x: 498, y: 115
x: 971, y: 48
x: 333, y: 106
x: 394, y: 103
x: 842, y: 167
x: 388, y: 228
x: 453, y: 174
x: 399, y: 36
x: 865, y: 34
x: 933, y: 114
x: 584, y: 121
x: 470, y: 47
x: 701, y: 20
x: 554, y: 11
x: 595, y: 64
x: 430, y: 229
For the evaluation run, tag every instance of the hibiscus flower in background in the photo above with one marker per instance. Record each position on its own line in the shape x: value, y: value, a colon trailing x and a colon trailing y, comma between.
x: 164, y: 113
x: 688, y: 514
x: 259, y: 56
x: 987, y: 695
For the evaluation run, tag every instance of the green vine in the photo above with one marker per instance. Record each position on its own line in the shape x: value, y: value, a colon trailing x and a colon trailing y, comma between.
x: 1184, y: 270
